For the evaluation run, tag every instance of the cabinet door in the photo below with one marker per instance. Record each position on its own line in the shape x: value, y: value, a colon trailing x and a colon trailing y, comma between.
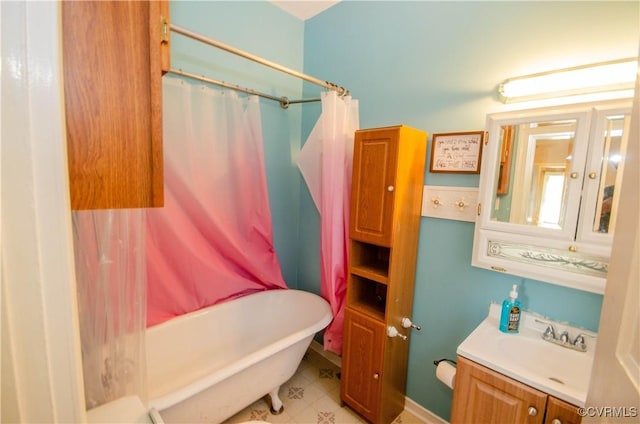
x: 561, y: 412
x: 484, y: 396
x: 362, y: 363
x: 603, y: 175
x: 113, y: 99
x: 375, y: 157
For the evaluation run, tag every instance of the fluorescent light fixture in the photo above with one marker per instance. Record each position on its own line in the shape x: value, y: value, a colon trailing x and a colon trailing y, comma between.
x: 612, y: 76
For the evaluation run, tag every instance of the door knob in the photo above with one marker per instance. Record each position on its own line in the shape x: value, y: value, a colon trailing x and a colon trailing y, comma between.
x: 390, y: 188
x: 532, y: 411
x: 376, y: 376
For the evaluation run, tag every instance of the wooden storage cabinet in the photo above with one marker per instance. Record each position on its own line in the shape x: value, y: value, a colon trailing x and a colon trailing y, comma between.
x: 386, y: 198
x: 482, y: 395
x: 113, y: 59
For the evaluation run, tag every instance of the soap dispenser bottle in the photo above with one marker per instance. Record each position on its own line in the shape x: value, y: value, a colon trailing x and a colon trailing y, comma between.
x: 510, y: 316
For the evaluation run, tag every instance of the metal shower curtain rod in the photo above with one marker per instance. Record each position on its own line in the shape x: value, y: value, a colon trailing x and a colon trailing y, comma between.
x: 284, y: 101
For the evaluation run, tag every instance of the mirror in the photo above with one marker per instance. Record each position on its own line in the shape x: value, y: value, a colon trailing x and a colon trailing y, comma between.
x: 616, y: 136
x: 541, y: 153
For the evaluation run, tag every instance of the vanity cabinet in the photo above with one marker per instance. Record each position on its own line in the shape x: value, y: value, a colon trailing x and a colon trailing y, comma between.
x: 386, y: 198
x: 482, y: 395
x: 547, y: 196
x: 114, y: 54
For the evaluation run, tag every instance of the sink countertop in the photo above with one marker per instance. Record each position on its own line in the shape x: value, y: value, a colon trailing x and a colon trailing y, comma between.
x: 526, y: 357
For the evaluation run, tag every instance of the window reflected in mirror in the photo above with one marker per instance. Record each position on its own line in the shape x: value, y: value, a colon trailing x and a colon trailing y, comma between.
x: 532, y: 180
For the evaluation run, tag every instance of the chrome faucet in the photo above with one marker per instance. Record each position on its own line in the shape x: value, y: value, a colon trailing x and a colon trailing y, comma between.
x: 564, y: 339
x: 549, y: 333
x: 579, y: 343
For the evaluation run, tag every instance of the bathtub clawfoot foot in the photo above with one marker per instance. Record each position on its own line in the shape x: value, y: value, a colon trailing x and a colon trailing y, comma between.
x: 276, y: 404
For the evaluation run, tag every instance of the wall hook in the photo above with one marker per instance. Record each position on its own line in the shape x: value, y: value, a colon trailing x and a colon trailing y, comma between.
x: 461, y: 204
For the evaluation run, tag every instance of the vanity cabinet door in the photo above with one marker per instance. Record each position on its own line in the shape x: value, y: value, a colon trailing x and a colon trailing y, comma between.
x: 362, y: 363
x: 561, y: 412
x: 375, y: 157
x: 485, y: 396
x: 113, y: 60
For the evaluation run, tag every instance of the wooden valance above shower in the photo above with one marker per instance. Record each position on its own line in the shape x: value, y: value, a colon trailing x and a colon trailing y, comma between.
x: 284, y: 101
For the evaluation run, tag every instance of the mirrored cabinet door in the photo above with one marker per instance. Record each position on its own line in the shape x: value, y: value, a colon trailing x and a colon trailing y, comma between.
x: 537, y: 180
x: 608, y: 147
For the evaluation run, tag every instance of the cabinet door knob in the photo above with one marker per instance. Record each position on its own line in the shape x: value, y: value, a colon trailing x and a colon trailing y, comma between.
x: 390, y: 188
x: 556, y: 421
x: 532, y: 411
x: 573, y: 175
x: 593, y: 175
x: 376, y: 376
x: 573, y: 249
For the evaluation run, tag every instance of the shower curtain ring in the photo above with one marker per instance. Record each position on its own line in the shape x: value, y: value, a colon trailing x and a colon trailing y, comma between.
x: 284, y: 102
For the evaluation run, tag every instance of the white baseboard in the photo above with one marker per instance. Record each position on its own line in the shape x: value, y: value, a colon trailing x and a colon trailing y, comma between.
x: 332, y: 357
x: 410, y: 406
x: 423, y: 414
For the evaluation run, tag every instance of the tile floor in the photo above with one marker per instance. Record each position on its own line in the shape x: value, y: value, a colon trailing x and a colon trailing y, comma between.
x: 311, y: 396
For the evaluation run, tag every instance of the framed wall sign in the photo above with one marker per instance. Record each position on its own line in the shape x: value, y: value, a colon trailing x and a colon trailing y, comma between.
x: 457, y: 153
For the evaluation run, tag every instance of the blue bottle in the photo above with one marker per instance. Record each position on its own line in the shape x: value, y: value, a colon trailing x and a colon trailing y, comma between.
x: 510, y: 316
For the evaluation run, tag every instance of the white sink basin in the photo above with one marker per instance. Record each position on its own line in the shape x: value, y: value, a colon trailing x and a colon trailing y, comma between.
x: 556, y: 363
x: 526, y: 357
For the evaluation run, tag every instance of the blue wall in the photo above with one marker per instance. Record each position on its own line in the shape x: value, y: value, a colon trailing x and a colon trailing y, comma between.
x: 265, y: 30
x: 436, y: 66
x: 432, y: 65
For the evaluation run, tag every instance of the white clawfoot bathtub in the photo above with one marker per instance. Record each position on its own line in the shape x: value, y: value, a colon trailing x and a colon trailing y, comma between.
x: 208, y: 365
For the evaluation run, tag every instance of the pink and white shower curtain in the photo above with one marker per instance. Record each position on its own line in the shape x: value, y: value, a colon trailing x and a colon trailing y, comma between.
x: 325, y: 162
x: 213, y: 239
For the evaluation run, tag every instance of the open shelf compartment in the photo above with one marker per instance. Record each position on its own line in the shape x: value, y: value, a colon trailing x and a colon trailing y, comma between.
x: 367, y: 296
x: 370, y: 261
